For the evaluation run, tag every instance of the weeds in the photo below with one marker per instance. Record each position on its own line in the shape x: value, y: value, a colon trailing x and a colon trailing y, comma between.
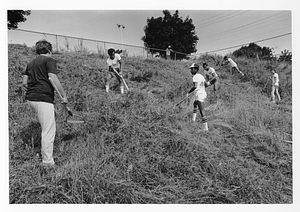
x: 138, y: 148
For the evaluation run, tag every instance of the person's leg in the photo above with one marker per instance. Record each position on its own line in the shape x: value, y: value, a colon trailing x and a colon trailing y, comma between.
x: 273, y: 94
x: 195, y: 111
x: 46, y: 116
x: 277, y: 93
x: 108, y: 79
x: 237, y: 68
x: 203, y: 118
x: 216, y: 85
x: 120, y: 81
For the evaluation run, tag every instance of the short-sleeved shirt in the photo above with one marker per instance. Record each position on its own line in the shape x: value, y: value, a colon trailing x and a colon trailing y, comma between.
x: 168, y: 51
x: 232, y: 63
x: 39, y: 87
x: 115, y: 62
x: 275, y: 79
x: 210, y: 72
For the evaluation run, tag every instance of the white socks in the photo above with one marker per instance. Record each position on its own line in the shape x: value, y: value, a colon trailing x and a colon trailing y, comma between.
x: 194, y: 116
x: 205, y: 127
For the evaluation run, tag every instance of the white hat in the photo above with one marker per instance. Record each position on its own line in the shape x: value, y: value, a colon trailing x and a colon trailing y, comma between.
x: 194, y: 65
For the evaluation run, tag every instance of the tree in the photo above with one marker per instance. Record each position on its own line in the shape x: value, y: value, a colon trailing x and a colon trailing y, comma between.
x: 170, y: 30
x: 16, y: 16
x: 254, y: 51
x: 285, y: 56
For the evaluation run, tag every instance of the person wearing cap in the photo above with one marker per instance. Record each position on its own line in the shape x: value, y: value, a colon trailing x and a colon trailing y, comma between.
x: 211, y: 76
x: 275, y: 86
x: 199, y: 92
x: 168, y: 52
x: 232, y: 64
x: 114, y: 67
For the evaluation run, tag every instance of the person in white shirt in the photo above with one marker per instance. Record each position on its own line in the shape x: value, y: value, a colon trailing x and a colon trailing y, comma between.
x: 232, y: 64
x: 199, y: 92
x: 275, y: 86
x: 114, y: 65
x: 211, y: 76
x: 168, y: 53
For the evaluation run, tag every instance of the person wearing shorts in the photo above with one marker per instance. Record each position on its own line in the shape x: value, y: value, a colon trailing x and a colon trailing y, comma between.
x: 211, y: 76
x: 232, y: 64
x: 199, y: 92
x: 275, y: 86
x: 114, y: 65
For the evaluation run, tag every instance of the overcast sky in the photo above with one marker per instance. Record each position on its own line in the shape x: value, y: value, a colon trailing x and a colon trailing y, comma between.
x: 218, y: 28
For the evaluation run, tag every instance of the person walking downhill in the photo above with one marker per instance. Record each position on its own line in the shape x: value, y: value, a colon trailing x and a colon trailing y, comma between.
x: 211, y: 76
x: 232, y: 64
x: 114, y: 69
x: 275, y: 86
x: 199, y: 92
x: 40, y: 95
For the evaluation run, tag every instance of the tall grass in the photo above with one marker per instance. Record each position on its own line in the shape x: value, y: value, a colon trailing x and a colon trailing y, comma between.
x: 139, y: 148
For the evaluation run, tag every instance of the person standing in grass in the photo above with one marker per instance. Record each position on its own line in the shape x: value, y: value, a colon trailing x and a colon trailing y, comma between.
x: 114, y: 67
x: 211, y: 76
x: 168, y: 53
x: 40, y: 95
x: 199, y: 92
x: 232, y: 64
x: 275, y: 86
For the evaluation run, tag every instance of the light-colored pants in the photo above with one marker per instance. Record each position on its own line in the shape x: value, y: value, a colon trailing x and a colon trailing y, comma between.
x: 46, y: 117
x: 275, y: 91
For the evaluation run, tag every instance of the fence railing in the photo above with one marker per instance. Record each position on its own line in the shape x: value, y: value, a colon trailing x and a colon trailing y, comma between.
x: 62, y: 43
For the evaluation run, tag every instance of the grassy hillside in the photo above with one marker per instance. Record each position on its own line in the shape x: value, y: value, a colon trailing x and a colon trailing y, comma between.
x: 139, y: 148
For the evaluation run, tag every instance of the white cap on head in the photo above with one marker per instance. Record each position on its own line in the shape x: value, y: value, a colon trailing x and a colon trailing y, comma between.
x: 194, y: 65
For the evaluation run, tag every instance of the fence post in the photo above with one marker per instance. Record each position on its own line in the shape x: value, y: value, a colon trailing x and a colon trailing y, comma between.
x: 175, y: 55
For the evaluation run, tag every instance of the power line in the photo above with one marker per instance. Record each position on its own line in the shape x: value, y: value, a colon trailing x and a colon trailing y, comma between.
x: 216, y: 39
x: 251, y: 23
x: 211, y: 23
x: 211, y: 17
x: 248, y: 43
x: 221, y: 18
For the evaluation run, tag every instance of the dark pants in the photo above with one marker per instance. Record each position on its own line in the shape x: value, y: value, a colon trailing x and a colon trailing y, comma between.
x: 215, y: 82
x: 199, y: 105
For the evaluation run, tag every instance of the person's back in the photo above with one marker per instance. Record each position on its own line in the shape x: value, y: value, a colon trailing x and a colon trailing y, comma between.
x: 199, y: 80
x: 231, y: 62
x: 275, y: 79
x: 39, y: 88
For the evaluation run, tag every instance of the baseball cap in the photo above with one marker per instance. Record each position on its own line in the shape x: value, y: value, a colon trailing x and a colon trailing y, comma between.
x: 194, y: 65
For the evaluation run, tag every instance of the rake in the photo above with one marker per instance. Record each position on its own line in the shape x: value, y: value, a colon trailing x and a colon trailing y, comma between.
x: 121, y: 77
x: 71, y: 118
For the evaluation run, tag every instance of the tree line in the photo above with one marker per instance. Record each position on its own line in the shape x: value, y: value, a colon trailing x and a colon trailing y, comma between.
x: 174, y: 31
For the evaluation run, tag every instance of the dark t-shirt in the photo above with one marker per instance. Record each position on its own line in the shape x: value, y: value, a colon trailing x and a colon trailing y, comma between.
x: 39, y: 87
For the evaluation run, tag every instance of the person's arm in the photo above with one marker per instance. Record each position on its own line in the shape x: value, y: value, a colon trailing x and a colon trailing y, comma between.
x: 192, y: 89
x: 214, y: 76
x: 121, y: 71
x: 58, y: 86
x: 25, y: 81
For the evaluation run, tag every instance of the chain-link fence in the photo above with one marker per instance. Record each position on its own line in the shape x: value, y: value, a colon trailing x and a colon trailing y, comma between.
x: 62, y: 43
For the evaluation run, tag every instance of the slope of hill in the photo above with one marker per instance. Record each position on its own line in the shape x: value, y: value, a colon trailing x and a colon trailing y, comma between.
x: 139, y: 148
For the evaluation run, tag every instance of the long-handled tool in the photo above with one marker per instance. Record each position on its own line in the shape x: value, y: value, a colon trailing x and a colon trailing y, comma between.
x: 121, y: 77
x: 185, y: 98
x: 79, y: 120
